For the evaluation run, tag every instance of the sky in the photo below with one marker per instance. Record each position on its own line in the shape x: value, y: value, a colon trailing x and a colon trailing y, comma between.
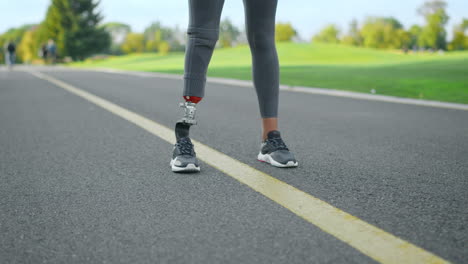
x: 307, y: 16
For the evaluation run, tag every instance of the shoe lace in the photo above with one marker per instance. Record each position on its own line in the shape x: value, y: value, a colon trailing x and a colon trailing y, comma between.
x: 277, y: 144
x: 185, y: 146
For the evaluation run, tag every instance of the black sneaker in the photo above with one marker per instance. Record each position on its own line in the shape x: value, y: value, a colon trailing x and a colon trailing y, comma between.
x: 275, y: 152
x: 183, y: 157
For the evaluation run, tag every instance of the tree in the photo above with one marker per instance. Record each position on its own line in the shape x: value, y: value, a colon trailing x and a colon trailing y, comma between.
x: 89, y: 39
x: 27, y: 49
x: 393, y: 22
x: 134, y: 42
x: 433, y: 34
x: 118, y: 32
x: 151, y: 46
x: 383, y: 33
x: 402, y: 40
x: 150, y: 31
x: 284, y: 32
x: 460, y: 39
x: 15, y: 35
x: 228, y: 33
x: 415, y: 32
x: 73, y: 24
x: 353, y: 37
x: 164, y: 47
x: 329, y: 34
x: 178, y: 38
x: 156, y: 33
x: 59, y: 25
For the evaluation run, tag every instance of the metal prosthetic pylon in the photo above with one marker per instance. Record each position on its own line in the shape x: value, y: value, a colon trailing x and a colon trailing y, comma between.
x: 182, y: 127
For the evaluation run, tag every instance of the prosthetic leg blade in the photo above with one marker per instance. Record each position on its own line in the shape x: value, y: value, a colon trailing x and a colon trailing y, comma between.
x: 184, y: 157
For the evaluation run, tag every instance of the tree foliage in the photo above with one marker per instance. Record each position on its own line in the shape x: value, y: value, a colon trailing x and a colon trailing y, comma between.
x: 27, y: 49
x: 73, y: 25
x: 433, y: 34
x: 460, y: 38
x: 414, y: 33
x: 329, y: 34
x: 156, y: 36
x: 384, y: 33
x: 134, y: 42
x: 157, y: 32
x: 353, y: 37
x: 118, y: 32
x: 284, y: 32
x: 228, y: 33
x: 15, y: 35
x: 164, y: 47
x: 59, y: 25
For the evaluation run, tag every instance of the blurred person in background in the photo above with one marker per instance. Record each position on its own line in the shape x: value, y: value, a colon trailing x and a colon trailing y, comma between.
x: 203, y: 33
x: 51, y: 51
x: 10, y: 51
x: 43, y: 52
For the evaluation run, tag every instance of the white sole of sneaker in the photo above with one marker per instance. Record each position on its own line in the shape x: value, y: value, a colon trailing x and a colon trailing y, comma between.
x: 189, y: 168
x: 268, y: 159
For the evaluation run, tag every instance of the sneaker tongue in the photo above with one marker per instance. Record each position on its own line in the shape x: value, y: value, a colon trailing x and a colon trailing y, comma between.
x: 274, y: 134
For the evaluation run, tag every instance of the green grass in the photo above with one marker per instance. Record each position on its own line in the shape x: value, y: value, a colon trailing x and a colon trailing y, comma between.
x: 426, y: 76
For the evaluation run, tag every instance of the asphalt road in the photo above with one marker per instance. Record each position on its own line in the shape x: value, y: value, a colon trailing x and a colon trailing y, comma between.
x: 79, y: 184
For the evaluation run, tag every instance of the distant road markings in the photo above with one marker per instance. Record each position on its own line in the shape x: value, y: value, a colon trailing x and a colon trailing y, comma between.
x: 370, y: 240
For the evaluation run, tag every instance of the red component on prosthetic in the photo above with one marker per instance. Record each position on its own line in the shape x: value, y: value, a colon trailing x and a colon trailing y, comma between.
x: 192, y: 99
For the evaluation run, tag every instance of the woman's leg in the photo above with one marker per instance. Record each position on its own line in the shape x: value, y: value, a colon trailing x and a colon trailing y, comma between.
x: 260, y: 21
x: 269, y: 124
x: 203, y: 32
x: 260, y: 24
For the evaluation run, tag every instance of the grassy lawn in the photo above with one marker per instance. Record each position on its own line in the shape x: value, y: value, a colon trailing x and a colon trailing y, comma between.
x: 426, y: 76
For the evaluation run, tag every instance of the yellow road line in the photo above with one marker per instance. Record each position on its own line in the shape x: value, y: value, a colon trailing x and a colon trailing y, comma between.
x: 370, y: 240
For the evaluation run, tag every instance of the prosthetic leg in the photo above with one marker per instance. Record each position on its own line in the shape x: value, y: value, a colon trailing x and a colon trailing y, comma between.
x: 183, y: 125
x: 184, y: 158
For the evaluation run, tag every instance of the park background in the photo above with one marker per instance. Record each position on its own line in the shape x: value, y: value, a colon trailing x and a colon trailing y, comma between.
x: 415, y: 49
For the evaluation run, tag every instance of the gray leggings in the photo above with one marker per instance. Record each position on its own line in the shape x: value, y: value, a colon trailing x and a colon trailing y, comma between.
x: 203, y: 32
